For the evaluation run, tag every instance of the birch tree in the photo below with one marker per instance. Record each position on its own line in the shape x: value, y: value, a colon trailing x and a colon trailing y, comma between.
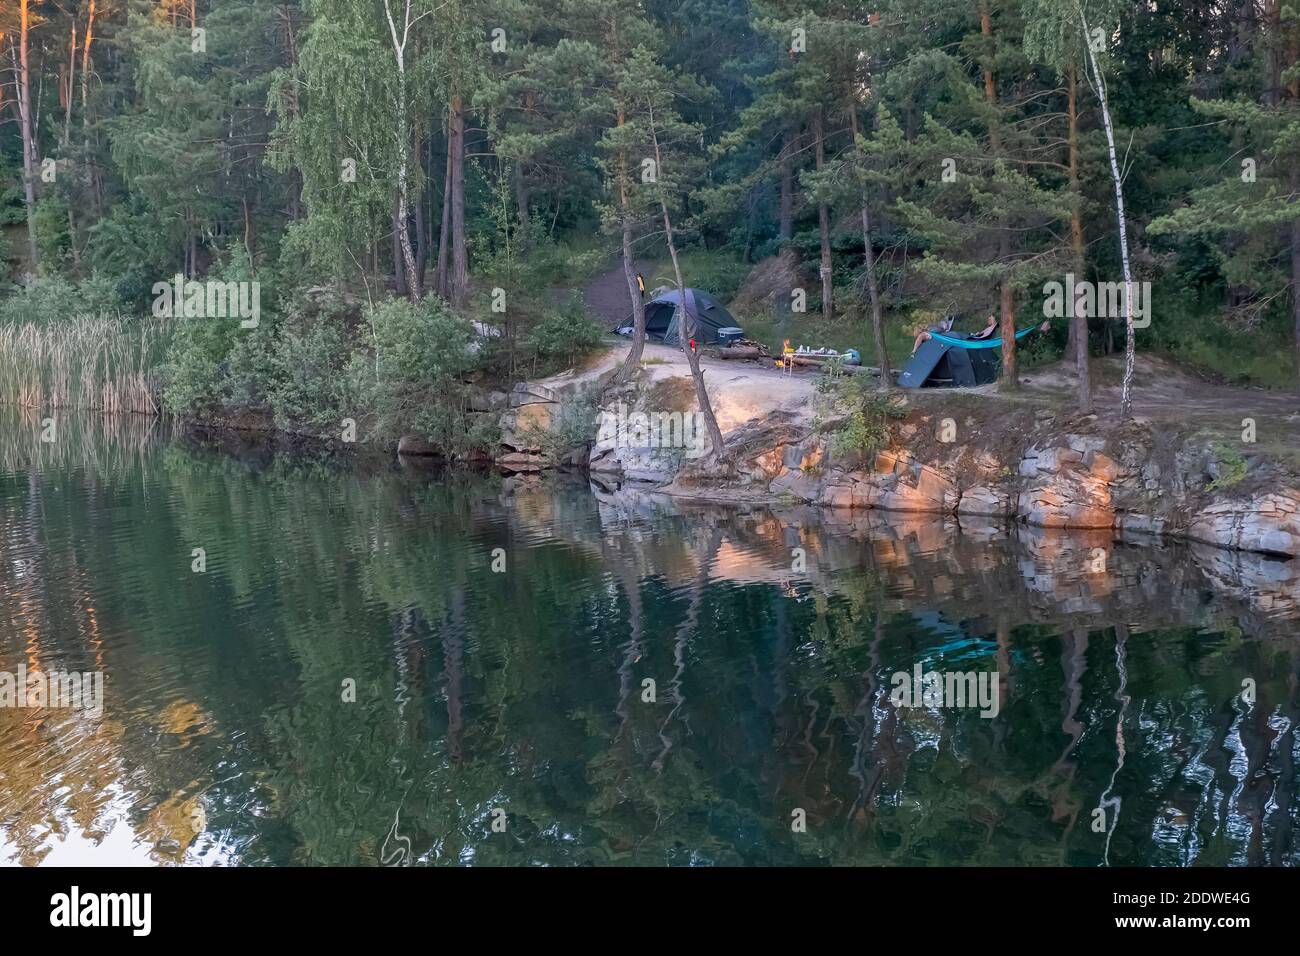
x: 1098, y: 83
x: 400, y: 36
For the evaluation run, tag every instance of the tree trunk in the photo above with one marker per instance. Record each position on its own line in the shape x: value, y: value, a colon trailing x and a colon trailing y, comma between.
x: 787, y: 186
x: 85, y: 64
x: 444, y: 233
x: 403, y: 136
x: 1293, y: 88
x: 25, y: 121
x: 1295, y: 266
x: 633, y: 360
x: 422, y: 207
x: 521, y: 204
x: 823, y: 219
x: 1099, y: 87
x: 1078, y: 320
x: 401, y: 225
x: 72, y: 78
x: 459, y: 284
x: 399, y: 272
x: 686, y: 327
x: 1010, y: 381
x: 869, y: 262
x: 1271, y: 54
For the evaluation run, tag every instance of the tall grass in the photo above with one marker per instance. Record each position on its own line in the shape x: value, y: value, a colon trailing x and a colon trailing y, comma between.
x: 98, y: 362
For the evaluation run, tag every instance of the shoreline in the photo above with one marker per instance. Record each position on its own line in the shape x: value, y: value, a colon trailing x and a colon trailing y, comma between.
x: 1063, y: 479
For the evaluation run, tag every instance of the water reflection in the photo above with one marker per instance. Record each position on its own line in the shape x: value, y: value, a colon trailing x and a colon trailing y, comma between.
x: 230, y: 734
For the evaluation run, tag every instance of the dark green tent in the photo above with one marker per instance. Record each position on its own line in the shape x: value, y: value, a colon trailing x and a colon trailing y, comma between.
x: 709, y: 315
x: 937, y: 364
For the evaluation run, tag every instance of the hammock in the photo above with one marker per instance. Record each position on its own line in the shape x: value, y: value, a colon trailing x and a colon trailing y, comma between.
x: 978, y: 343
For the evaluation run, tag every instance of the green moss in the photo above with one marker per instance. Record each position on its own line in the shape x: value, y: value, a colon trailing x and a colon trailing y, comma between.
x: 1232, y: 466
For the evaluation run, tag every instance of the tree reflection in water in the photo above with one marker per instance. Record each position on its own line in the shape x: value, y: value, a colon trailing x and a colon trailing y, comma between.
x: 226, y: 737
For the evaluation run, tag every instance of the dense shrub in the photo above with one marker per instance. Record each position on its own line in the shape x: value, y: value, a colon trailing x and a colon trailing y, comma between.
x: 562, y: 337
x: 423, y: 354
x: 308, y: 376
x: 194, y: 377
x: 56, y: 299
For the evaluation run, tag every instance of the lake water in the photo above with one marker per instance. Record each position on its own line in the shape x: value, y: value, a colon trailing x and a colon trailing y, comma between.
x: 499, y: 636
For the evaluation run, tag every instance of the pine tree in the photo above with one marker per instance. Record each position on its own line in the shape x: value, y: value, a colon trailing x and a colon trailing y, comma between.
x: 1256, y: 205
x: 652, y: 90
x: 985, y: 209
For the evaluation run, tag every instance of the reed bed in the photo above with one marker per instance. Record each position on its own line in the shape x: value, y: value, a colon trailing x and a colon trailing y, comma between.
x: 95, y: 362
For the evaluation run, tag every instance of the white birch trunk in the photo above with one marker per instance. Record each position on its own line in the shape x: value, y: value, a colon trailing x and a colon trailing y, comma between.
x: 1098, y: 85
x: 403, y: 149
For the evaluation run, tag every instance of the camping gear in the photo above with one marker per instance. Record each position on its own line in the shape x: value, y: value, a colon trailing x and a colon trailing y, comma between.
x: 954, y: 359
x: 963, y: 343
x: 851, y: 357
x: 730, y: 336
x: 938, y: 363
x: 661, y: 318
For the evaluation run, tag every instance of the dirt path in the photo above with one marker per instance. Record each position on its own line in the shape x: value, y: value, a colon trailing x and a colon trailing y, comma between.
x: 739, y: 390
x: 1162, y: 391
x: 606, y: 298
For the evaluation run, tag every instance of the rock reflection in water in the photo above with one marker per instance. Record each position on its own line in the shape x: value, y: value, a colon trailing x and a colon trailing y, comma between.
x: 771, y: 637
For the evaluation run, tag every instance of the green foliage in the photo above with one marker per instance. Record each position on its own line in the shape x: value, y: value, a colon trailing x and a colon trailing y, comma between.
x: 184, y: 161
x: 423, y: 354
x: 1231, y: 465
x: 56, y: 299
x: 718, y: 271
x: 395, y: 369
x: 855, y: 413
x: 53, y: 239
x: 311, y: 382
x: 564, y: 336
x: 194, y: 376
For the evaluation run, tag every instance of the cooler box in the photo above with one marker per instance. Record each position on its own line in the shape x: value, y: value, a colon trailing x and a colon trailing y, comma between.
x: 729, y: 336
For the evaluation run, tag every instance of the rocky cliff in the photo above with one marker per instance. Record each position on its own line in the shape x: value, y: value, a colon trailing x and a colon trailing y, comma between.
x: 987, y: 461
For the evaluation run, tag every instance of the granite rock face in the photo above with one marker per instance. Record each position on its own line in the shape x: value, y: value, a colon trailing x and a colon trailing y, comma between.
x: 535, y: 428
x: 1137, y: 481
x: 1131, y: 479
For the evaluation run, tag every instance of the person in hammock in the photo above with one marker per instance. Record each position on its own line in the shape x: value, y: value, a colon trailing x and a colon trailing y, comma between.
x: 989, y: 331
